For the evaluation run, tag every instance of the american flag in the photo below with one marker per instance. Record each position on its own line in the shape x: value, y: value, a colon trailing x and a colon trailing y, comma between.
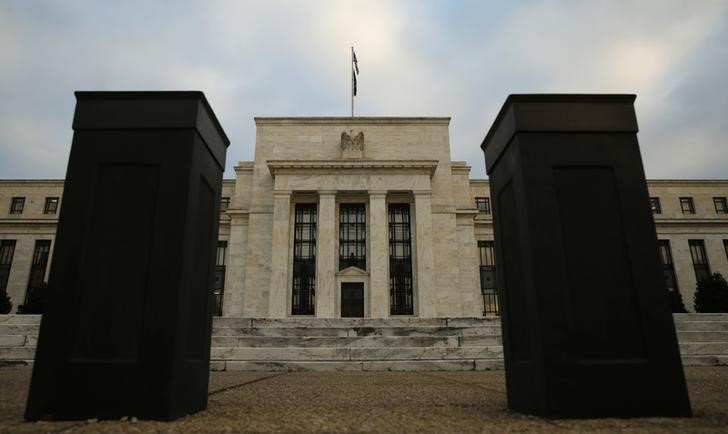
x: 354, y: 71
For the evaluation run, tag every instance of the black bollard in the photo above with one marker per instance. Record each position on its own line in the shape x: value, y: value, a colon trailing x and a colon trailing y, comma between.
x: 587, y: 329
x: 127, y: 328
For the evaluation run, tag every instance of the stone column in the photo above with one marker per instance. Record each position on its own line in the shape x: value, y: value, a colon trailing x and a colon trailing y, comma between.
x: 280, y: 257
x: 326, y: 255
x: 378, y: 255
x: 233, y: 297
x: 425, y: 259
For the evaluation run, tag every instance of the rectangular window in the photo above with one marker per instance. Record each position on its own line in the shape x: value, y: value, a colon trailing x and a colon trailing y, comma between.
x: 16, y: 205
x: 668, y: 269
x: 224, y: 204
x: 400, y: 260
x: 352, y: 236
x: 700, y: 259
x: 38, y: 266
x: 51, y: 205
x: 7, y: 249
x: 304, y: 260
x: 655, y: 205
x: 219, y: 287
x: 483, y: 204
x: 686, y: 205
x: 725, y: 247
x: 721, y: 207
x: 486, y: 250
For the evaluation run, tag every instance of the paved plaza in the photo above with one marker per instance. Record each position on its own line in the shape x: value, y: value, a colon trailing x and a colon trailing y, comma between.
x: 370, y: 402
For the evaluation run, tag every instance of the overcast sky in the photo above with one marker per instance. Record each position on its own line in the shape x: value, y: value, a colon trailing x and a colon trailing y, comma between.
x: 417, y: 58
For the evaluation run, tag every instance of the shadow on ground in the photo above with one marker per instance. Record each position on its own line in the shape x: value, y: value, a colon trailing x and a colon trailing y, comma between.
x: 370, y: 402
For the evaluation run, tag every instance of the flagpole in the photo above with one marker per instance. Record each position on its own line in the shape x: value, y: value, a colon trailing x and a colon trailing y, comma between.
x: 352, y: 81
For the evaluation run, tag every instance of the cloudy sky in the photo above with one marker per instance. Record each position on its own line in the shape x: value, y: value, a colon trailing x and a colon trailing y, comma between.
x: 417, y: 58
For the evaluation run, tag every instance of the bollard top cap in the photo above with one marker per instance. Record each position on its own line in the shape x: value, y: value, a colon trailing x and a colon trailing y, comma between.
x: 143, y: 109
x: 558, y: 113
x: 120, y: 110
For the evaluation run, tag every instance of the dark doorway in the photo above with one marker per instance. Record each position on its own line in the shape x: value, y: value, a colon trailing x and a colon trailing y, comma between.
x: 352, y: 300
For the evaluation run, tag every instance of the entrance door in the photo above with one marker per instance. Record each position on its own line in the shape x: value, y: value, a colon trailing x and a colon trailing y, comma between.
x: 352, y: 300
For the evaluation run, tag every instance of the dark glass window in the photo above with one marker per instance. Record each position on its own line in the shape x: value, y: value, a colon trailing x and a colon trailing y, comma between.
x: 686, y: 205
x: 304, y: 259
x: 655, y: 205
x: 38, y: 266
x: 219, y: 287
x: 668, y: 269
x: 400, y: 260
x: 51, y: 205
x: 483, y: 204
x: 7, y: 249
x: 352, y: 236
x: 700, y: 259
x: 486, y: 252
x: 224, y: 204
x: 725, y: 247
x: 721, y: 207
x: 16, y: 205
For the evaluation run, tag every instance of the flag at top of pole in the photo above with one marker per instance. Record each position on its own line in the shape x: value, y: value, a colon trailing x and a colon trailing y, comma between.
x: 354, y: 73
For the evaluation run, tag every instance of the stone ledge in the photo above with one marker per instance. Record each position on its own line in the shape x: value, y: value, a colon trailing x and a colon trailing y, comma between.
x: 314, y: 167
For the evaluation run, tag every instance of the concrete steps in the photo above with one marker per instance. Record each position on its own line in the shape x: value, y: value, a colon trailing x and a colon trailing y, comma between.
x: 342, y: 344
x: 703, y: 338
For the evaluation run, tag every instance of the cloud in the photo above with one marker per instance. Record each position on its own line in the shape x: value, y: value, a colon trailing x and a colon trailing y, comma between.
x: 291, y: 58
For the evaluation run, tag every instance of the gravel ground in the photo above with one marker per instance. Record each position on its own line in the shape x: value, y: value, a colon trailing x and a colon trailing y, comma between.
x: 371, y: 402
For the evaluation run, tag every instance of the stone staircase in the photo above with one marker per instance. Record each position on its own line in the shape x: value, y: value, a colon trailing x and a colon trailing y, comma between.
x: 402, y: 344
x: 407, y: 344
x: 703, y: 338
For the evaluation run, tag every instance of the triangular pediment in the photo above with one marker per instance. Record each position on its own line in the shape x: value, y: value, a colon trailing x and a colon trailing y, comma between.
x: 352, y: 271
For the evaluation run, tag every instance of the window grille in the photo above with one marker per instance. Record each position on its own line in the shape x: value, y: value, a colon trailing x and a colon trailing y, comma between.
x: 38, y: 266
x: 655, y: 205
x: 51, y: 205
x: 400, y: 260
x: 700, y: 259
x: 7, y: 249
x: 668, y: 269
x: 218, y: 289
x: 483, y: 204
x: 686, y: 205
x: 352, y: 236
x: 488, y: 286
x: 304, y: 259
x: 16, y: 205
x: 224, y: 204
x: 721, y: 207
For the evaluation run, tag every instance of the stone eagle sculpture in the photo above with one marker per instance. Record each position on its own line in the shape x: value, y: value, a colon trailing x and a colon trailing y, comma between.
x: 355, y: 144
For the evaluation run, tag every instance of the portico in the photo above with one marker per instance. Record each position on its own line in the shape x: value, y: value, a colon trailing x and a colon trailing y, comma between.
x: 349, y: 212
x: 372, y: 184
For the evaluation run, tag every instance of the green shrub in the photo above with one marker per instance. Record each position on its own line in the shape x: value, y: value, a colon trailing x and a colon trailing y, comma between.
x: 676, y: 302
x: 35, y: 300
x: 5, y: 304
x: 711, y: 295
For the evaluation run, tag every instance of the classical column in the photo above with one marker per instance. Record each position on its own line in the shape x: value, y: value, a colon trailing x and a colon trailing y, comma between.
x: 326, y: 255
x: 280, y: 257
x: 378, y: 255
x: 425, y: 259
x: 233, y: 297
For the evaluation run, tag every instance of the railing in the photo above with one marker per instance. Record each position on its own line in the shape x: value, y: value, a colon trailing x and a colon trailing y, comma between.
x: 490, y: 303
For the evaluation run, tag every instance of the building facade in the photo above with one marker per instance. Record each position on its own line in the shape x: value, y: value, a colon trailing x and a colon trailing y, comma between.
x: 362, y: 217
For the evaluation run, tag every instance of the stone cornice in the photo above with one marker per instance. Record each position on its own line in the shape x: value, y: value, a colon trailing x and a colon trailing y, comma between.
x: 346, y: 120
x: 322, y: 166
x: 694, y: 222
x: 681, y: 182
x: 28, y: 221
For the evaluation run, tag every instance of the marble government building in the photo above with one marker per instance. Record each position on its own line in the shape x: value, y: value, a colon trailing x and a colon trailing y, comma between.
x: 362, y: 217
